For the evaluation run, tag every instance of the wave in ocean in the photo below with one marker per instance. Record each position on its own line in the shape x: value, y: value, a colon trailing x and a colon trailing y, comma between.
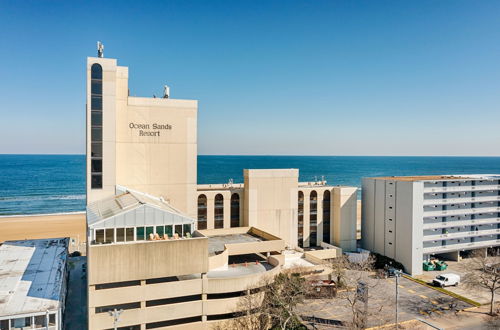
x: 41, y: 197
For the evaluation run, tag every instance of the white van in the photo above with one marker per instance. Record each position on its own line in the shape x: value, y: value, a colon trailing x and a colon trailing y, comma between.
x: 446, y: 280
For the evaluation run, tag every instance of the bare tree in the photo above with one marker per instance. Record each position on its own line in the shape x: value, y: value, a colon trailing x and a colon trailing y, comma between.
x: 483, y: 272
x: 272, y: 305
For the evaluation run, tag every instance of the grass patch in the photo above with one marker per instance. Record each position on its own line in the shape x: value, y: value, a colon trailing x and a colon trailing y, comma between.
x: 449, y: 293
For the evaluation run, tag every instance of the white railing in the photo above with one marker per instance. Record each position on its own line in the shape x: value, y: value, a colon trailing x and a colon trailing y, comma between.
x: 464, y: 246
x: 459, y: 223
x: 474, y: 210
x: 462, y: 188
x: 458, y: 234
x: 459, y: 200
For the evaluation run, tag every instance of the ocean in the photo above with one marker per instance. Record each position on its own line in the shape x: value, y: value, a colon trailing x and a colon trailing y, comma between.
x: 43, y: 184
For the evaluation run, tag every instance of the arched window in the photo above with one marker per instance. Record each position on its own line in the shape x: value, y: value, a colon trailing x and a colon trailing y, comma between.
x: 326, y: 217
x: 219, y: 211
x: 235, y: 210
x: 202, y: 212
x: 313, y: 219
x: 96, y: 126
x: 301, y: 219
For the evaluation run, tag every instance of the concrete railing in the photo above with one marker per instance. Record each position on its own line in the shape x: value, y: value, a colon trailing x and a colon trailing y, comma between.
x: 441, y: 201
x: 460, y: 234
x: 475, y: 210
x: 218, y: 260
x: 461, y: 188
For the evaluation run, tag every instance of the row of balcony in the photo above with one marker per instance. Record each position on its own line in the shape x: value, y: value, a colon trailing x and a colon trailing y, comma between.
x: 458, y: 223
x: 459, y: 200
x: 464, y: 211
x: 462, y: 188
x: 463, y: 246
x: 460, y: 234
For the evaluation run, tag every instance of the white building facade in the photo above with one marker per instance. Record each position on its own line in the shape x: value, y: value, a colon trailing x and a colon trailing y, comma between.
x: 411, y: 219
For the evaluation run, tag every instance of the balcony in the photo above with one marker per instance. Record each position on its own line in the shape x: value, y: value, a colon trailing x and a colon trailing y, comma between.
x: 459, y: 223
x: 460, y: 234
x: 475, y: 210
x: 462, y: 188
x: 459, y: 200
x: 464, y: 246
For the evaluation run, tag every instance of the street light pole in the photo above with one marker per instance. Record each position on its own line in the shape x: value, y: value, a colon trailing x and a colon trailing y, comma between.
x: 397, y: 273
x: 116, y: 317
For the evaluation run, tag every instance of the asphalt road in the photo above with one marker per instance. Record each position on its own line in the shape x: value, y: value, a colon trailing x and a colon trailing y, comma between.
x: 75, y: 316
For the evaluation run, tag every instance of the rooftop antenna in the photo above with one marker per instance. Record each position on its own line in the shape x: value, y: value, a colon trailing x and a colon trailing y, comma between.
x: 100, y: 49
x: 166, y: 92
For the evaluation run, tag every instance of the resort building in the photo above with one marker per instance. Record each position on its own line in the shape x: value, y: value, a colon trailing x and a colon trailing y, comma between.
x: 412, y: 219
x: 165, y: 252
x: 33, y: 283
x: 150, y: 145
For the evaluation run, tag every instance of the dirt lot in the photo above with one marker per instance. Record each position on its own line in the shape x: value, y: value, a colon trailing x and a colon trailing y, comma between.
x: 415, y: 301
x: 44, y: 226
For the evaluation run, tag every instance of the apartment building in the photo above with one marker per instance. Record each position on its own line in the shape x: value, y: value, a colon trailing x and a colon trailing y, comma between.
x: 412, y: 219
x: 33, y: 283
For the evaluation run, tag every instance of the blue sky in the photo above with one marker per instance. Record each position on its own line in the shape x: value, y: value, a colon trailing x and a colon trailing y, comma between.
x: 271, y: 77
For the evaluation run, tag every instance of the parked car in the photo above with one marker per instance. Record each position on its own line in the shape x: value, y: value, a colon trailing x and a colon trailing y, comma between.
x: 446, y: 280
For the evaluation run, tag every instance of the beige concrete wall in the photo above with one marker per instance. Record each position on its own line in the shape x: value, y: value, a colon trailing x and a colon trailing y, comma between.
x: 344, y: 209
x: 162, y: 165
x: 271, y: 202
x: 143, y: 260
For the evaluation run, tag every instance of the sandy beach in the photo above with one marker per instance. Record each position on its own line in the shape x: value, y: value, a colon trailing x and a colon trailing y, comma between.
x: 44, y: 226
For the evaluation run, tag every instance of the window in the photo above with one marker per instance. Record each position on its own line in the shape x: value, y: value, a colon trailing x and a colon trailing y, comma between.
x: 140, y: 233
x: 186, y: 229
x: 40, y: 321
x: 114, y: 285
x: 202, y: 212
x: 160, y: 230
x: 301, y: 219
x: 167, y: 301
x: 178, y: 230
x: 4, y: 324
x: 110, y: 235
x: 129, y: 234
x: 120, y: 234
x: 162, y: 324
x: 21, y: 323
x: 313, y: 219
x: 105, y: 309
x: 235, y: 210
x: 99, y: 236
x: 326, y: 216
x: 96, y: 126
x: 168, y: 230
x: 219, y: 211
x: 149, y: 232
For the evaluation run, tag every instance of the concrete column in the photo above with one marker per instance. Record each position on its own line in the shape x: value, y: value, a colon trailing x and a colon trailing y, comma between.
x: 227, y: 209
x: 320, y: 216
x: 307, y: 215
x: 210, y: 211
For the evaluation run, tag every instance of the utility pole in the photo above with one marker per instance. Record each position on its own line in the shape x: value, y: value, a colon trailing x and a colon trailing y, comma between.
x: 397, y: 274
x: 116, y: 317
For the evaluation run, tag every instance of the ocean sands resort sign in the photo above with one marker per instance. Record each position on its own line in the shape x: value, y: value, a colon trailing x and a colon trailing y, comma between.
x: 149, y: 129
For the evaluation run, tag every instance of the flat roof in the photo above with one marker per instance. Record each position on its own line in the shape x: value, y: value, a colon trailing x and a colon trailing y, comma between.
x: 439, y: 177
x: 216, y: 242
x: 32, y: 276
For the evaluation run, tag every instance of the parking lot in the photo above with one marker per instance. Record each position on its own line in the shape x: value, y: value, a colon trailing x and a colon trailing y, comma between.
x: 477, y: 294
x: 415, y: 301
